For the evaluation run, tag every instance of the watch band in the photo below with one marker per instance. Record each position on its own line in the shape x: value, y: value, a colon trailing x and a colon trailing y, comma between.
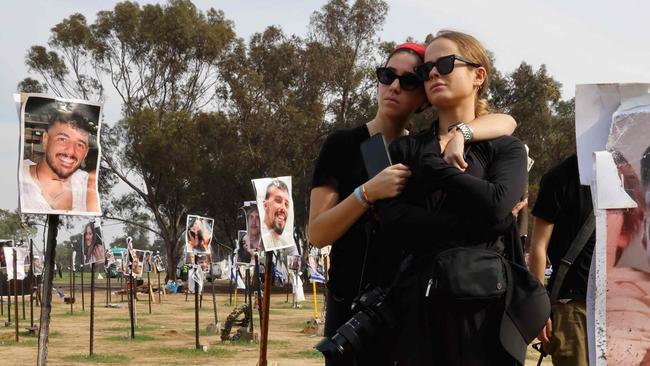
x: 464, y: 129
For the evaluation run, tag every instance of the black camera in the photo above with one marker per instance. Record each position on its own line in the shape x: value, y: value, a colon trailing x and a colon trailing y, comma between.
x: 373, y: 317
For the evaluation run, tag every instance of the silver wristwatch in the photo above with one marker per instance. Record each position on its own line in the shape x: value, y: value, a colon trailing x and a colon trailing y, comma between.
x: 464, y: 129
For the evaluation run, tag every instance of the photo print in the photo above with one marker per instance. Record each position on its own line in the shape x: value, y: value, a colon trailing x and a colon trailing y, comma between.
x: 245, y: 255
x: 253, y: 229
x: 275, y: 203
x: 198, y: 234
x: 58, y: 169
x: 613, y: 140
x: 20, y: 253
x: 294, y: 262
x: 158, y: 263
x: 6, y: 243
x: 93, y: 245
x: 38, y: 265
x: 147, y: 262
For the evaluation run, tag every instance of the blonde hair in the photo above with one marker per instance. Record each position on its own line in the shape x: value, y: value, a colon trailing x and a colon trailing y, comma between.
x: 472, y: 49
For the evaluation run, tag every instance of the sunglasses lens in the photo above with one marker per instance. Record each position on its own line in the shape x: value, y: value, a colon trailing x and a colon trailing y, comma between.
x: 385, y: 75
x: 445, y: 64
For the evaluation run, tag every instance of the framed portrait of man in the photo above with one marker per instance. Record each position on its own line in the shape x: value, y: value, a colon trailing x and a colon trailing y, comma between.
x: 58, y: 168
x: 273, y: 196
x: 253, y: 226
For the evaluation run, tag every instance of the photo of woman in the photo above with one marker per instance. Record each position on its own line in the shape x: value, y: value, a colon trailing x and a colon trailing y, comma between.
x: 198, y: 234
x: 93, y: 246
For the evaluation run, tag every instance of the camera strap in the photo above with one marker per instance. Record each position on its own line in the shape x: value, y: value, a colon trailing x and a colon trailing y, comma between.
x: 572, y: 253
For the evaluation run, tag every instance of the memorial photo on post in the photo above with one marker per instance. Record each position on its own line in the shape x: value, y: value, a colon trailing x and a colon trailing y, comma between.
x: 198, y: 234
x: 253, y: 231
x: 93, y: 245
x: 613, y: 132
x: 4, y: 243
x: 245, y: 255
x: 274, y: 199
x: 58, y: 170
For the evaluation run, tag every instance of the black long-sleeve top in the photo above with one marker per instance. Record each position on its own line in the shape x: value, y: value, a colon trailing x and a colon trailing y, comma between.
x: 443, y: 207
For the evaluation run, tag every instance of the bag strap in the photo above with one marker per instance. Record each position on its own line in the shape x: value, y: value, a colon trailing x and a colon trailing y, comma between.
x: 574, y: 250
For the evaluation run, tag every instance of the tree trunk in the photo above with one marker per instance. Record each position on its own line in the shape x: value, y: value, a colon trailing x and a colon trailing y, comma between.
x: 172, y: 260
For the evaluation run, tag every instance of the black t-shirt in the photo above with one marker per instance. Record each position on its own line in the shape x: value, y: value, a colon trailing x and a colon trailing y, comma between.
x: 565, y: 203
x: 340, y: 166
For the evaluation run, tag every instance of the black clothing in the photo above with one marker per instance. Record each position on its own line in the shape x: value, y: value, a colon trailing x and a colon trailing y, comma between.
x: 443, y: 207
x: 340, y: 165
x: 565, y: 203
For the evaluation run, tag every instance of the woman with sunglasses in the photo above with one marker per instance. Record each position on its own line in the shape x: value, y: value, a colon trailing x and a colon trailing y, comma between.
x: 342, y: 193
x: 443, y: 208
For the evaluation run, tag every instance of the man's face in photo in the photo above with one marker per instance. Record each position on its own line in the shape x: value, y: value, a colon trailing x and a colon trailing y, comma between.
x: 253, y: 221
x: 276, y: 209
x: 65, y: 148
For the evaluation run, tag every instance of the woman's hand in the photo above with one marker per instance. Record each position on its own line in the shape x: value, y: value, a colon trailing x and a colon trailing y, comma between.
x: 388, y: 183
x: 454, y: 151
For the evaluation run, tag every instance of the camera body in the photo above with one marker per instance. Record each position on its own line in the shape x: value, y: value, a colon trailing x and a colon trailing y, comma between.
x: 373, y: 317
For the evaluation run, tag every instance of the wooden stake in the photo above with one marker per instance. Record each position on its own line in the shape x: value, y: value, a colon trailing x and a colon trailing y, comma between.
x: 313, y: 285
x: 16, y: 316
x: 214, y: 299
x: 150, y: 290
x: 196, y: 308
x: 31, y: 284
x: 83, y: 305
x: 92, y: 306
x: 48, y: 275
x: 266, y: 304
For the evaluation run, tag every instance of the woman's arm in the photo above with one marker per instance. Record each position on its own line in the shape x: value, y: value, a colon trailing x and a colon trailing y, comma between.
x: 494, y: 196
x: 329, y: 219
x: 485, y: 127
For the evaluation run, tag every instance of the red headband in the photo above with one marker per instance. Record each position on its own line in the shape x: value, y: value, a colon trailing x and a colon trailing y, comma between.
x: 415, y: 47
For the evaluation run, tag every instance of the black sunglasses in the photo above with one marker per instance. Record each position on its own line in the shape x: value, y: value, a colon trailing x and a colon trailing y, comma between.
x: 408, y: 81
x: 444, y: 64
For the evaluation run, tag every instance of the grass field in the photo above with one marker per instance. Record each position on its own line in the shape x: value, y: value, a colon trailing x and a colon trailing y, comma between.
x: 164, y: 337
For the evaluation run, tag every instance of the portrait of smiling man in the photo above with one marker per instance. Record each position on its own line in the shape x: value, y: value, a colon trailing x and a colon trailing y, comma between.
x: 56, y: 175
x: 274, y: 197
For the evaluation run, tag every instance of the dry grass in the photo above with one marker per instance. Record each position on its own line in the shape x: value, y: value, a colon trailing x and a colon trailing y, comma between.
x: 165, y: 337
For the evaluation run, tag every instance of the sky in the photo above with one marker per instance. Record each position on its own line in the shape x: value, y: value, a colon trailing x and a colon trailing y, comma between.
x: 579, y: 41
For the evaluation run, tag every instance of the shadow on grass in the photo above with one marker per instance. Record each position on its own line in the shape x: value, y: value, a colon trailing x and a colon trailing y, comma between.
x: 98, y: 358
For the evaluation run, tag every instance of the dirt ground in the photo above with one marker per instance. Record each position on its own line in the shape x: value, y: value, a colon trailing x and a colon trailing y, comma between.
x: 164, y: 337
